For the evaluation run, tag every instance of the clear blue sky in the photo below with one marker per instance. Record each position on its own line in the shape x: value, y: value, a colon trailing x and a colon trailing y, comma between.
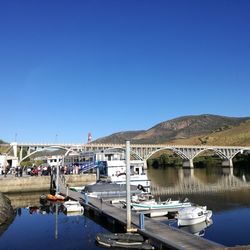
x: 102, y: 66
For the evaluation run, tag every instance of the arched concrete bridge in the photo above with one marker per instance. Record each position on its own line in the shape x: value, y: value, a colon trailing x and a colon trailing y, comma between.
x: 139, y: 151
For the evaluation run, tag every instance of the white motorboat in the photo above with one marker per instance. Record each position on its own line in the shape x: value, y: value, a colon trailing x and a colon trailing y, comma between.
x: 193, y: 215
x: 73, y: 206
x: 139, y: 180
x: 160, y: 208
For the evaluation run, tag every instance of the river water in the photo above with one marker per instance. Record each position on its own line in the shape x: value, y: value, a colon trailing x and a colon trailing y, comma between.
x: 36, y: 227
x: 223, y: 194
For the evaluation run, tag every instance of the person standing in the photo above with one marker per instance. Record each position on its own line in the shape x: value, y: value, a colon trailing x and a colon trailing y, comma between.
x: 5, y: 167
x: 20, y: 171
x: 4, y: 170
x: 16, y: 171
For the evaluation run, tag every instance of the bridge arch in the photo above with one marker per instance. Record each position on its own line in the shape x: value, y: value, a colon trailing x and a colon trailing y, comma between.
x: 176, y: 151
x: 45, y: 148
x: 216, y: 151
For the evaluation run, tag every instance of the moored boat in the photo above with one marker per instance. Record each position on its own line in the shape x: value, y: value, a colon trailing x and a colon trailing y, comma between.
x: 73, y: 206
x: 56, y: 197
x: 193, y: 215
x: 127, y: 240
x: 103, y: 189
x: 165, y: 206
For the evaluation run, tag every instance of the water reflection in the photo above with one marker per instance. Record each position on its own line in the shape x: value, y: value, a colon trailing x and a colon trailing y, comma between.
x: 197, y: 229
x: 181, y: 181
x: 217, y: 188
x: 47, y: 208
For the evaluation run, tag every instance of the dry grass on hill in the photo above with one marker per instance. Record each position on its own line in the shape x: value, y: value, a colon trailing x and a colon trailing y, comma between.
x: 235, y: 136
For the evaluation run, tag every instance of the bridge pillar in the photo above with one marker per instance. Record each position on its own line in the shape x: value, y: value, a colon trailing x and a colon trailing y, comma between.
x: 228, y: 171
x: 28, y: 151
x: 188, y: 163
x: 227, y: 163
x: 21, y: 154
x: 14, y: 145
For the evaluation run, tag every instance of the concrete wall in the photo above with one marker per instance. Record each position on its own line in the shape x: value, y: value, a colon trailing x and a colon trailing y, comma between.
x: 79, y: 180
x: 24, y: 184
x: 41, y: 183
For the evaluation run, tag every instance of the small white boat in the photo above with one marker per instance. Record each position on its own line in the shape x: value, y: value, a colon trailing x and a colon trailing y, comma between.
x: 160, y: 208
x: 73, y: 206
x: 193, y: 215
x: 139, y: 180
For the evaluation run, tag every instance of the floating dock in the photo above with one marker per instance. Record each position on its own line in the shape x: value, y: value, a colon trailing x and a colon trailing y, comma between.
x: 159, y: 234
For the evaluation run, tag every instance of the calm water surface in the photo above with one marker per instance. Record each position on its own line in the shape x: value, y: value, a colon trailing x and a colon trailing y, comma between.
x: 231, y: 209
x: 36, y: 229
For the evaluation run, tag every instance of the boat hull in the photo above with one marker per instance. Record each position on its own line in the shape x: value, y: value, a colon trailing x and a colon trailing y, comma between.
x: 123, y: 241
x: 174, y: 207
x: 187, y: 221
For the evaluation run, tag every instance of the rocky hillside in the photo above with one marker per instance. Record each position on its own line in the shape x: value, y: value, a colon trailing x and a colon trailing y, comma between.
x: 119, y: 137
x: 200, y: 129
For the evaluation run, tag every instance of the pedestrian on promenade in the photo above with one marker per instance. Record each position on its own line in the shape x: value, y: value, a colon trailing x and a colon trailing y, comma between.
x: 6, y: 168
x: 20, y: 171
x: 49, y: 170
x: 16, y: 171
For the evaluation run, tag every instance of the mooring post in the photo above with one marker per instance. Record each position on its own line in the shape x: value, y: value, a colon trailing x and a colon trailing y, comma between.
x: 141, y: 221
x: 86, y: 198
x: 57, y: 179
x: 128, y: 199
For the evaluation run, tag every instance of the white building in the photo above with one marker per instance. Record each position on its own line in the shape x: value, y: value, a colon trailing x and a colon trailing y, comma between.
x: 7, y: 161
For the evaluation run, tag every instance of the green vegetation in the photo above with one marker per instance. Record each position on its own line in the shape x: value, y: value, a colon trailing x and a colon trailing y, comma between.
x: 242, y: 161
x: 164, y: 160
x: 26, y: 163
x: 207, y: 160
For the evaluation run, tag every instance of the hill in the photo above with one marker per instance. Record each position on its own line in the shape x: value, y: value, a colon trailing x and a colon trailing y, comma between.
x: 199, y: 129
x: 234, y: 136
x: 119, y: 137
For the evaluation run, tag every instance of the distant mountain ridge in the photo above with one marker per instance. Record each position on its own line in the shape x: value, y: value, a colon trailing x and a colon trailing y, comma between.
x: 178, y: 129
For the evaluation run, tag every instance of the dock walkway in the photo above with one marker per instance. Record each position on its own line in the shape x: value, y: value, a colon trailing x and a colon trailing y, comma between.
x: 159, y: 233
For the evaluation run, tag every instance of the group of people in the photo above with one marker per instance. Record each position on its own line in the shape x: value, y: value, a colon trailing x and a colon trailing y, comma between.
x: 70, y: 169
x: 41, y: 170
x: 18, y: 171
